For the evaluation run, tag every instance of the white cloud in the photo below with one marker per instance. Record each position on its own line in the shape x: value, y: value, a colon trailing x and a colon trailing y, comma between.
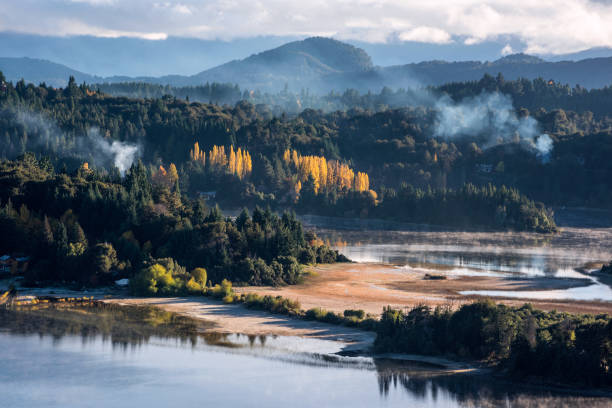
x: 507, y: 50
x: 544, y: 26
x: 426, y: 35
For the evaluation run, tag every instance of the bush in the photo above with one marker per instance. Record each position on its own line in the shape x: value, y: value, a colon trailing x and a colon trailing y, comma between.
x: 200, y: 276
x: 223, y: 290
x: 359, y: 314
x: 193, y: 287
x: 153, y: 280
x: 272, y: 304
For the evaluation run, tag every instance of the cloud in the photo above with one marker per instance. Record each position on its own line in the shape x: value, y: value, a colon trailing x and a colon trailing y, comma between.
x: 507, y: 50
x: 544, y: 26
x: 426, y: 35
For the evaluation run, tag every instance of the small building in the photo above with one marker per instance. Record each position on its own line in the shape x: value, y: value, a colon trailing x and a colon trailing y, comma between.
x: 484, y: 168
x: 13, y: 265
x: 5, y: 264
x: 207, y: 195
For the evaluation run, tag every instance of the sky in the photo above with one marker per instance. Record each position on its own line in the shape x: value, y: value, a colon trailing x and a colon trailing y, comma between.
x: 539, y: 26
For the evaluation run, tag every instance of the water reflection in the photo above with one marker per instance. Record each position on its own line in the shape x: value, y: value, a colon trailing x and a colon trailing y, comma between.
x: 59, y: 356
x: 477, y: 390
x: 507, y: 255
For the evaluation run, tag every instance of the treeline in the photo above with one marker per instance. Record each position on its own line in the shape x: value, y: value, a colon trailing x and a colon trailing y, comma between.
x: 217, y: 93
x: 497, y: 207
x: 530, y: 94
x: 525, y: 342
x: 93, y: 227
x: 392, y: 146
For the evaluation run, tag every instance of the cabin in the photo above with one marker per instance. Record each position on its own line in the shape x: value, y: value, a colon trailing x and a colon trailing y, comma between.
x: 13, y: 265
x: 484, y: 168
x: 5, y: 264
x: 207, y: 195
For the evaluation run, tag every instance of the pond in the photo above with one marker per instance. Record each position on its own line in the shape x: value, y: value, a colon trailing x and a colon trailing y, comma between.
x: 100, y: 356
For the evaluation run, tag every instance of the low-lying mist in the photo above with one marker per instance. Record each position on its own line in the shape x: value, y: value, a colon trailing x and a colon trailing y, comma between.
x: 490, y: 118
x: 43, y: 134
x: 491, y: 115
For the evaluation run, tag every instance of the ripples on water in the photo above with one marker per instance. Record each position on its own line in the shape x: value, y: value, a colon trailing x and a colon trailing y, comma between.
x: 118, y: 357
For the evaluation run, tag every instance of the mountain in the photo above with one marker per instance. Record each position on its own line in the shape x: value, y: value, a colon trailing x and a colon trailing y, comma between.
x: 123, y: 56
x: 298, y: 64
x: 589, y: 73
x: 596, y: 52
x: 323, y: 64
x: 37, y: 71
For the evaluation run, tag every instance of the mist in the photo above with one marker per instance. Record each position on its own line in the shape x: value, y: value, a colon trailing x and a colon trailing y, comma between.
x: 44, y: 135
x: 121, y: 154
x: 492, y: 116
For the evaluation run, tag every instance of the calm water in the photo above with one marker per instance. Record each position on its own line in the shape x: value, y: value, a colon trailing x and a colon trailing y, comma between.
x: 105, y: 358
x: 508, y: 255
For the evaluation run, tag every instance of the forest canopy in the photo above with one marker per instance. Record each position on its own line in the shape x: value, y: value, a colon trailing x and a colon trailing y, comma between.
x: 94, y: 228
x: 349, y: 162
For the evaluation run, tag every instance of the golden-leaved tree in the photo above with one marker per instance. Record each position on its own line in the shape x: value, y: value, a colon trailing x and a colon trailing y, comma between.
x: 327, y: 175
x: 237, y: 162
x: 166, y: 177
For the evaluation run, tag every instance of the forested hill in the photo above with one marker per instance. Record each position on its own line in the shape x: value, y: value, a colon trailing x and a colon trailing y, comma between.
x: 93, y: 228
x: 322, y: 64
x: 38, y: 71
x: 359, y: 164
x: 588, y: 73
x: 295, y: 65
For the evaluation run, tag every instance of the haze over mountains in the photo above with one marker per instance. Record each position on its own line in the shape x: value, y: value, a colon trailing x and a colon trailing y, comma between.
x: 323, y: 64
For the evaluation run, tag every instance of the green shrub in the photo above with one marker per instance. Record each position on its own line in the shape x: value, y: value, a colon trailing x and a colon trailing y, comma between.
x: 359, y: 314
x: 193, y: 287
x: 153, y: 280
x: 200, y: 276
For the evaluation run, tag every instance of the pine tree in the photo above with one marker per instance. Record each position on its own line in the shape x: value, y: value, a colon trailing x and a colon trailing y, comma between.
x: 47, y: 231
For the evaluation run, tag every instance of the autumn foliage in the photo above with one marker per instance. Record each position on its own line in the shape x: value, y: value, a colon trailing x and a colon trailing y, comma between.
x: 166, y: 177
x: 327, y: 175
x: 236, y: 162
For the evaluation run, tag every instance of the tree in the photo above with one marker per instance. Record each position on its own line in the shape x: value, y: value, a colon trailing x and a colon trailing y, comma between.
x: 153, y: 280
x: 103, y: 257
x: 200, y: 276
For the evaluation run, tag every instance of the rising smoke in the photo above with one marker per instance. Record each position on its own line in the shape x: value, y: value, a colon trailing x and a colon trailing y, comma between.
x: 44, y: 135
x: 121, y: 154
x: 492, y: 116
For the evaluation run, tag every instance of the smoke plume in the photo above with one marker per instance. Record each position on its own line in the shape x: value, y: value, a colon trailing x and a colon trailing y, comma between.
x: 490, y: 116
x: 121, y: 154
x: 46, y: 137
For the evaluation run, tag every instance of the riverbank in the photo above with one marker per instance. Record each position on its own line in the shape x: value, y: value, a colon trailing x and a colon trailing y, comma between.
x: 235, y: 318
x: 371, y: 287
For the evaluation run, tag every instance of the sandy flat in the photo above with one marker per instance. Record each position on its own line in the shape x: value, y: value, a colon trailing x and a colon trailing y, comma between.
x: 372, y: 286
x: 228, y: 318
x: 364, y: 286
x: 358, y: 286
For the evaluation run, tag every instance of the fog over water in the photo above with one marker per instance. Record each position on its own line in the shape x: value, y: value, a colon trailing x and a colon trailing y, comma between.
x: 510, y: 255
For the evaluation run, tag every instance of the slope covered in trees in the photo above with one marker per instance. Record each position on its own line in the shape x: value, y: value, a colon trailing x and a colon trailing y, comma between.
x: 392, y: 147
x: 557, y: 347
x: 91, y: 227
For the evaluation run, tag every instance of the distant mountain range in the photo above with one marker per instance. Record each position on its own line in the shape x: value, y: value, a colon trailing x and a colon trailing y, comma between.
x: 323, y: 64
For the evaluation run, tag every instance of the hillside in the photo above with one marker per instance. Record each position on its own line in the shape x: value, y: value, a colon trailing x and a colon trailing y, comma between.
x: 322, y: 64
x: 589, y: 73
x: 38, y: 71
x: 297, y: 64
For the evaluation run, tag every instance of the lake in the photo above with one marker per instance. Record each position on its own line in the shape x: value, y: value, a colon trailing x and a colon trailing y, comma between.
x: 510, y: 255
x: 135, y: 357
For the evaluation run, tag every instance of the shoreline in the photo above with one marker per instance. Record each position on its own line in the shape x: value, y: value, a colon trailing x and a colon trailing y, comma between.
x: 337, y: 287
x: 372, y: 286
x: 237, y: 319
